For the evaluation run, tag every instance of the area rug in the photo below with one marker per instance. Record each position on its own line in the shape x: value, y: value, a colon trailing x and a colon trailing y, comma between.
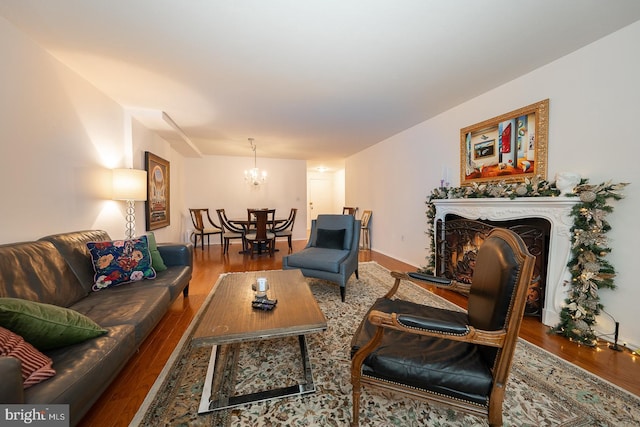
x: 543, y: 390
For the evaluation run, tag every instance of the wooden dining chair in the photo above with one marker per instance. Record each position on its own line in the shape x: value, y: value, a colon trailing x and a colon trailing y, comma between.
x: 364, y: 230
x: 348, y: 210
x: 261, y: 237
x: 285, y: 229
x: 202, y: 229
x: 229, y: 230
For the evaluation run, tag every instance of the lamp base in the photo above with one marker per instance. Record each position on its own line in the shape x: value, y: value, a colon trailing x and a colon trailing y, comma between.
x: 130, y: 228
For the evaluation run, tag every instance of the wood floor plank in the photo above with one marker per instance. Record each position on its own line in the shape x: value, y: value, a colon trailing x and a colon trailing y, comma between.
x: 119, y: 403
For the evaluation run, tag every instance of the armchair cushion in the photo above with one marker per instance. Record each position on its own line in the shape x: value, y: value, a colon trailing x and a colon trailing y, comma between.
x: 429, y: 278
x: 440, y: 366
x: 316, y: 258
x: 432, y: 324
x: 335, y: 222
x: 330, y: 239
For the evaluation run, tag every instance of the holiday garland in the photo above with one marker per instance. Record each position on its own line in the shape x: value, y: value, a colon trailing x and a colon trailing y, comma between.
x: 590, y: 271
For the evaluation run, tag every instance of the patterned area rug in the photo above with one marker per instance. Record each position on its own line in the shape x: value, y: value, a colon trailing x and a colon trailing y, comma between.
x: 543, y: 390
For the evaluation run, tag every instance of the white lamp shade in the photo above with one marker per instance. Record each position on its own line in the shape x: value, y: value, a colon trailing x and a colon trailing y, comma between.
x: 129, y: 184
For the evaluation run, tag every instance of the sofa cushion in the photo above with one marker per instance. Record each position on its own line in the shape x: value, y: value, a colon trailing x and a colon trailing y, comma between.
x: 73, y: 247
x: 318, y: 259
x: 46, y: 326
x: 120, y: 261
x: 140, y: 304
x: 156, y: 258
x: 330, y: 239
x: 36, y: 271
x: 35, y: 366
x: 85, y: 370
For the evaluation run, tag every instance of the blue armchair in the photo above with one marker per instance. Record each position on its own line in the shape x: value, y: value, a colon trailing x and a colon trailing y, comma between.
x: 331, y: 252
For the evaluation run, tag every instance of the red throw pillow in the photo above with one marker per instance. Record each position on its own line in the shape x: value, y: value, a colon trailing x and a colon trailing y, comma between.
x: 36, y: 367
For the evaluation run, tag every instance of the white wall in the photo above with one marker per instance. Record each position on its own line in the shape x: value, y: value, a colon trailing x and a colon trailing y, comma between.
x: 217, y: 182
x: 146, y: 140
x: 59, y: 138
x: 594, y: 105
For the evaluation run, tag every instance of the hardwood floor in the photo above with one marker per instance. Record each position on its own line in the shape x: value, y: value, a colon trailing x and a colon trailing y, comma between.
x: 121, y: 400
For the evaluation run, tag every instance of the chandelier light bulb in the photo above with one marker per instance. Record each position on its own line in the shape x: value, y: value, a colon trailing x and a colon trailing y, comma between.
x: 254, y: 176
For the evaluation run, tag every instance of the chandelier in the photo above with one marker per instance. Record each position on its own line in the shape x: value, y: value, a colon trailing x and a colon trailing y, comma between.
x: 254, y: 176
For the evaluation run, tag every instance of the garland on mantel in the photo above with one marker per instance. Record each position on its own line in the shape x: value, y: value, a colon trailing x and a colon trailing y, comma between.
x: 590, y: 270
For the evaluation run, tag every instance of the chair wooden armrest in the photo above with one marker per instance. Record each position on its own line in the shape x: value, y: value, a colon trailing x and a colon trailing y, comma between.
x: 439, y: 282
x: 437, y: 328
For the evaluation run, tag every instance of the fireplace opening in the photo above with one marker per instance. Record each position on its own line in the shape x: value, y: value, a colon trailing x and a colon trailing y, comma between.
x: 458, y: 240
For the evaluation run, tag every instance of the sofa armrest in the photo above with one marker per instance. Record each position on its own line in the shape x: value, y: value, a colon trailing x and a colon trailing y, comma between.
x: 11, y: 389
x: 176, y: 253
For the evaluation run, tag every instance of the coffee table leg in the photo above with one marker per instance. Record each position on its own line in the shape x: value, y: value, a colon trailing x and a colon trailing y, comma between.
x: 308, y: 386
x: 209, y: 403
x: 205, y: 400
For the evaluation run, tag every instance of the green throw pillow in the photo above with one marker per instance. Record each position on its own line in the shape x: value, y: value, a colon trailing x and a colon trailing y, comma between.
x: 156, y: 259
x: 46, y: 326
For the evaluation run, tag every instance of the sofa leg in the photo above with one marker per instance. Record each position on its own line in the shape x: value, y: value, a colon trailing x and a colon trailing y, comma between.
x: 343, y: 290
x: 357, y: 274
x: 185, y: 291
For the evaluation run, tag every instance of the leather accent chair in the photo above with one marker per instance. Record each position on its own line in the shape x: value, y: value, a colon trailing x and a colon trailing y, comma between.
x: 456, y: 358
x: 331, y: 252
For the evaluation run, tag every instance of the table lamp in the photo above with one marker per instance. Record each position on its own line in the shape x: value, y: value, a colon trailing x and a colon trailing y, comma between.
x: 130, y: 185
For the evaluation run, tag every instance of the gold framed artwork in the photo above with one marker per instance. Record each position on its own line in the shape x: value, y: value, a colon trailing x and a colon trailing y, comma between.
x: 157, y: 206
x: 510, y: 147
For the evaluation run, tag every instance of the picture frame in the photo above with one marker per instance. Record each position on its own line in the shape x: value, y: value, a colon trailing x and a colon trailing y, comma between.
x: 511, y: 147
x: 158, y: 204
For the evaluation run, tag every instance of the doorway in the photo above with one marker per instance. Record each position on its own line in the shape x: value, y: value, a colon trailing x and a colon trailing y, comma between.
x: 319, y: 198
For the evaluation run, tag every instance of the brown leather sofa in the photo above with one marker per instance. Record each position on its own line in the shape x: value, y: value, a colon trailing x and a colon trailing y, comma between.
x: 57, y: 270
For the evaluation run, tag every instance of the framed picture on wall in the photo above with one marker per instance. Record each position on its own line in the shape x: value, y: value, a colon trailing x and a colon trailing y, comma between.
x: 510, y: 147
x: 157, y: 206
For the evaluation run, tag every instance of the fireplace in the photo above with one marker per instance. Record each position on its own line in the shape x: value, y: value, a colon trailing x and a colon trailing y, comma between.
x: 458, y: 240
x: 555, y: 212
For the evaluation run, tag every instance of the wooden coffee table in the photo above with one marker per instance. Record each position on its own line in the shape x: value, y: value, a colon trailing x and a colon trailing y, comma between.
x: 230, y: 318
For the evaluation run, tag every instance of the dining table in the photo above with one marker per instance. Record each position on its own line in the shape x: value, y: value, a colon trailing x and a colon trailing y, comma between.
x: 247, y: 223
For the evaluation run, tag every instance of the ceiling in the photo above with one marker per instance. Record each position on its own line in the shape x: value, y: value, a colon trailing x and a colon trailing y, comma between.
x: 317, y: 80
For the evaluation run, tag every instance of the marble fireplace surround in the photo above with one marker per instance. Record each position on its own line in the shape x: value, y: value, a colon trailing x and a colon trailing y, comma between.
x: 556, y: 210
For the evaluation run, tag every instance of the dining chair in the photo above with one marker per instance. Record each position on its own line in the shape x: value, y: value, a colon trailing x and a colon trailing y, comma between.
x: 364, y: 229
x: 261, y: 237
x: 229, y: 230
x: 454, y: 358
x: 285, y: 229
x: 201, y: 230
x: 347, y: 210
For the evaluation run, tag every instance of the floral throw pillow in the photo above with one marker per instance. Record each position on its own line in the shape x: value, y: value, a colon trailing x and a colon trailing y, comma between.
x: 120, y: 261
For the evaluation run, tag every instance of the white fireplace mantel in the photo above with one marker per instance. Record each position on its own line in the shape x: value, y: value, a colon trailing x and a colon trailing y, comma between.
x: 557, y: 210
